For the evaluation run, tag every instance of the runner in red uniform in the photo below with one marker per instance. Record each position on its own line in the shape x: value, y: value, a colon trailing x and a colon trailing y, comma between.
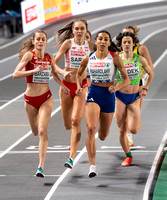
x: 38, y: 98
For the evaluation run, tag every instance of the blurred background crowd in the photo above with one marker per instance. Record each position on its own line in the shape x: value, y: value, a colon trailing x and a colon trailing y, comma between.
x: 10, y: 18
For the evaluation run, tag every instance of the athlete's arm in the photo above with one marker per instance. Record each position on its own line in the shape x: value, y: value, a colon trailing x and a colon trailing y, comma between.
x: 63, y: 49
x: 18, y: 73
x: 80, y: 71
x: 143, y: 51
x: 148, y: 70
x: 56, y: 76
x: 119, y: 64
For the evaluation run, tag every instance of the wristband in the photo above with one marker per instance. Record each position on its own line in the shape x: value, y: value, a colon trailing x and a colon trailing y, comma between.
x: 145, y: 89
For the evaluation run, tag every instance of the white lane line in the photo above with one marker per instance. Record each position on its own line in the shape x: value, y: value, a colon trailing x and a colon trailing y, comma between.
x: 136, y: 150
x: 11, y: 101
x: 154, y: 168
x: 49, y: 175
x: 91, y: 21
x: 24, y: 137
x: 21, y: 95
x: 152, y: 34
x: 160, y: 58
x: 5, y: 77
x: 112, y: 24
x: 144, y: 40
x: 53, y: 189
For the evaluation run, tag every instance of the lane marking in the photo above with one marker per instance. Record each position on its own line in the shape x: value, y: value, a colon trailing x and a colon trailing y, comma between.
x: 135, y: 150
x: 14, y: 125
x: 119, y: 147
x: 154, y: 168
x: 24, y: 137
x: 144, y: 40
x: 49, y: 175
x: 91, y: 21
x: 11, y: 101
x: 111, y: 24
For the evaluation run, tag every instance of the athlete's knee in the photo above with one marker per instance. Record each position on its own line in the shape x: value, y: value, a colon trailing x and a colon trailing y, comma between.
x: 134, y: 130
x: 34, y: 131
x: 102, y: 137
x: 42, y: 132
x: 67, y: 126
x: 75, y: 122
x: 91, y: 130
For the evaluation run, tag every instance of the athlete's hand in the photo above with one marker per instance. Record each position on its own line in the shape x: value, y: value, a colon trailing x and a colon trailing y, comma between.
x: 143, y: 92
x: 67, y: 74
x: 65, y: 89
x: 40, y: 68
x: 112, y: 89
x: 78, y: 92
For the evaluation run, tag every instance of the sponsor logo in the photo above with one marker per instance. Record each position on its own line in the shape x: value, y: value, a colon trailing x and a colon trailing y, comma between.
x: 128, y: 65
x: 31, y: 14
x: 77, y: 53
x: 98, y: 64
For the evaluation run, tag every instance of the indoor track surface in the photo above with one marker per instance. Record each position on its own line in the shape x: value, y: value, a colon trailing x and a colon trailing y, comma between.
x: 19, y: 148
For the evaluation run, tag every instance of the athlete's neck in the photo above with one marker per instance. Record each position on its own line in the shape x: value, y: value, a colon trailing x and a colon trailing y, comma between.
x: 101, y: 54
x: 79, y: 42
x: 127, y: 55
x: 39, y: 53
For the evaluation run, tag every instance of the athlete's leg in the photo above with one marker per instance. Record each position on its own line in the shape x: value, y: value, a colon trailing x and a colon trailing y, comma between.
x: 32, y: 114
x: 92, y: 113
x: 44, y: 118
x: 134, y: 116
x: 66, y: 108
x: 77, y: 114
x: 121, y: 119
x: 104, y: 124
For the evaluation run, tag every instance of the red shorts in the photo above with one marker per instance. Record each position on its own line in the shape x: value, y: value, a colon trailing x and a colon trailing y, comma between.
x: 73, y: 86
x: 37, y: 101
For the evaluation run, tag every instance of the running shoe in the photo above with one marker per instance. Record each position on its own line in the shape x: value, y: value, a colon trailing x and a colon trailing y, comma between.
x: 130, y: 140
x: 69, y: 163
x: 92, y: 171
x: 131, y: 143
x: 40, y: 173
x: 126, y: 162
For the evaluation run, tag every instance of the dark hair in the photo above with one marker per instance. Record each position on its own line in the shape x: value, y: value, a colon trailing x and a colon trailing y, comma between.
x: 120, y: 36
x: 113, y: 46
x: 28, y: 45
x: 67, y: 31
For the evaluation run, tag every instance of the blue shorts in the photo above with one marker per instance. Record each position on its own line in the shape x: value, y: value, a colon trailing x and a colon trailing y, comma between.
x: 102, y: 97
x: 127, y: 98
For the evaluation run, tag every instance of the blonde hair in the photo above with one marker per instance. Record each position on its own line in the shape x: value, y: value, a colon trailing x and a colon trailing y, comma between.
x: 28, y: 45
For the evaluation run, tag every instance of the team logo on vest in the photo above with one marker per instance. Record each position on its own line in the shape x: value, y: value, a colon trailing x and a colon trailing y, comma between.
x: 135, y: 64
x: 107, y: 64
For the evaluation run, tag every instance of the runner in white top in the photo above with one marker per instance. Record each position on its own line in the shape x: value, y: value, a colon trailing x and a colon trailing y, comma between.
x: 72, y: 106
x: 100, y: 104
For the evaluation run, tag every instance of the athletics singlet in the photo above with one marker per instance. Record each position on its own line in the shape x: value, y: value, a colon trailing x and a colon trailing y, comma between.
x: 101, y: 71
x: 39, y: 77
x: 133, y: 69
x: 75, y: 54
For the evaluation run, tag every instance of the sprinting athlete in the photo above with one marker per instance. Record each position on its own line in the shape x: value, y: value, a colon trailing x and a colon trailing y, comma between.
x: 73, y: 45
x: 100, y: 103
x: 38, y: 65
x: 143, y: 51
x: 128, y: 112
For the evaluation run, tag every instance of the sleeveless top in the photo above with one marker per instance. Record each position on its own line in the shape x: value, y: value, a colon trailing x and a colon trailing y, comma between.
x: 39, y: 77
x: 75, y: 54
x: 133, y: 69
x: 101, y: 71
